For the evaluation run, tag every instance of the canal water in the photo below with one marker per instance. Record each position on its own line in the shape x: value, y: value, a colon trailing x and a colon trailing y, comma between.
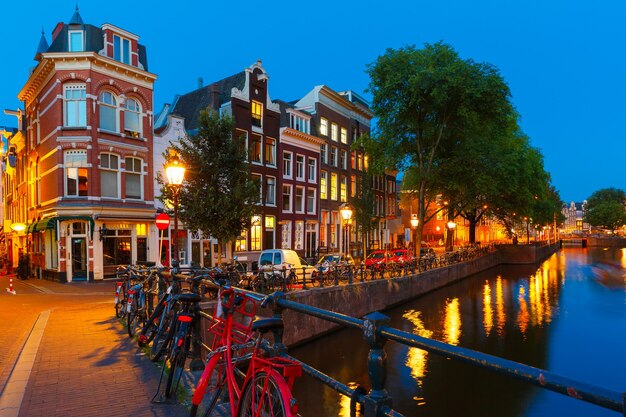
x: 567, y: 315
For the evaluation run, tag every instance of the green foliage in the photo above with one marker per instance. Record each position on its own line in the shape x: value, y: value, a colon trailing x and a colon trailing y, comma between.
x: 218, y: 196
x: 605, y: 209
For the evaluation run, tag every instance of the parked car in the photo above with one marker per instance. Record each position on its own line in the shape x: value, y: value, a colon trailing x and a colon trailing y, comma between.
x: 335, y: 259
x: 427, y: 252
x: 401, y: 256
x: 377, y: 257
x: 279, y: 258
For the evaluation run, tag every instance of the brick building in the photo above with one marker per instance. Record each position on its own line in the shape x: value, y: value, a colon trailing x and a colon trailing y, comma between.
x: 86, y: 157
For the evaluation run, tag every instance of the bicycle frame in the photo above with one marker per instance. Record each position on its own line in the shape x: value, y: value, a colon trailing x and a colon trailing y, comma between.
x: 283, y: 371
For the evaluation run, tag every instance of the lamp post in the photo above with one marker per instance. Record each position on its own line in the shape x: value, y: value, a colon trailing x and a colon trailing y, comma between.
x: 415, y: 221
x: 451, y: 226
x: 346, y: 214
x: 175, y: 173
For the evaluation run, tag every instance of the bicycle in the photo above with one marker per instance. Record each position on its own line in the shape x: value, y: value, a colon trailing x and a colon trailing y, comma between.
x: 265, y: 388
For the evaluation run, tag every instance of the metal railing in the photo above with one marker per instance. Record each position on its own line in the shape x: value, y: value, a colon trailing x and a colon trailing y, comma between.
x: 376, y: 333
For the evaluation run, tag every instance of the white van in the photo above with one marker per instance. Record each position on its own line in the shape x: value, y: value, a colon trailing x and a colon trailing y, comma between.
x: 279, y: 258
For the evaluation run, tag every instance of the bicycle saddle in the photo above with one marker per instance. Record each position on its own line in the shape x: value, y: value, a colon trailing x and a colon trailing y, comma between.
x: 189, y: 297
x: 265, y: 324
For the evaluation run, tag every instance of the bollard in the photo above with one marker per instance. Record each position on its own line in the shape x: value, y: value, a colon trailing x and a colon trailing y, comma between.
x: 10, y: 289
x: 303, y: 278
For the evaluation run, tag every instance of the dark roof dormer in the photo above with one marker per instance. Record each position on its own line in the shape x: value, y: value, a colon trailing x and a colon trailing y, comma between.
x: 43, y: 45
x: 76, y: 19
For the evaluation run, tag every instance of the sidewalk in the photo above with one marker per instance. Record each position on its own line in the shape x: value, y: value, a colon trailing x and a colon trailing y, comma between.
x: 85, y: 364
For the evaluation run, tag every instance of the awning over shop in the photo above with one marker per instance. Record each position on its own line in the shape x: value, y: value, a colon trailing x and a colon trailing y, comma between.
x: 51, y: 223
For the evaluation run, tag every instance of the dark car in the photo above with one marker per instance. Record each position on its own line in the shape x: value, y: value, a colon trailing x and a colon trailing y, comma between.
x: 335, y: 259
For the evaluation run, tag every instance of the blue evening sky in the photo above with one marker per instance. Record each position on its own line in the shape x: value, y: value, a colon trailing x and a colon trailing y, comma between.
x: 564, y: 60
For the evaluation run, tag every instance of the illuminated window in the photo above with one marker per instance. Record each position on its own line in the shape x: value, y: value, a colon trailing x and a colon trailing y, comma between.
x: 334, y: 132
x: 270, y: 151
x: 323, y: 185
x: 333, y: 186
x: 109, y: 175
x: 257, y: 114
x: 76, y: 174
x: 75, y: 105
x: 353, y: 186
x: 132, y: 118
x: 255, y: 233
x: 344, y: 189
x: 323, y: 126
x: 241, y: 243
x: 344, y: 135
x: 254, y: 151
x: 141, y: 229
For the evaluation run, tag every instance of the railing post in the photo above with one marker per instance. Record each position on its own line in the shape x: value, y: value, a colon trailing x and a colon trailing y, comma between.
x: 362, y: 268
x: 279, y: 347
x: 349, y: 274
x: 336, y: 275
x: 284, y: 280
x: 376, y: 364
x: 303, y: 278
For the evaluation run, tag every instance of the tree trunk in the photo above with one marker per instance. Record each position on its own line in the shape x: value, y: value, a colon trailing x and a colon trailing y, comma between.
x: 472, y: 230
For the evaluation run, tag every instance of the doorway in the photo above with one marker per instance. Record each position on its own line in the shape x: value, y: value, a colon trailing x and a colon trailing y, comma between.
x: 78, y: 266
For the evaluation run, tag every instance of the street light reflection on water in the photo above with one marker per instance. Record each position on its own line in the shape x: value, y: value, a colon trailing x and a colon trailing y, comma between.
x: 507, y: 312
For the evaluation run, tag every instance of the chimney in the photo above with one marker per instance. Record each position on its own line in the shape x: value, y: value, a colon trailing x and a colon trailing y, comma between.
x: 200, y: 83
x: 57, y: 30
x: 215, y: 97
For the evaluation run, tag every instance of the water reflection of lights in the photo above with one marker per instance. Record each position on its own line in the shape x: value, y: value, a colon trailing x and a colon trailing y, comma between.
x: 452, y: 323
x: 344, y: 403
x: 487, y: 308
x: 523, y: 316
x: 416, y: 358
x: 500, y: 311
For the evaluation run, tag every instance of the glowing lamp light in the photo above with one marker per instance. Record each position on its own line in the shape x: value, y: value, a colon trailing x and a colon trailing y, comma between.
x: 414, y: 221
x: 18, y: 227
x: 346, y: 211
x: 175, y: 172
x: 451, y: 224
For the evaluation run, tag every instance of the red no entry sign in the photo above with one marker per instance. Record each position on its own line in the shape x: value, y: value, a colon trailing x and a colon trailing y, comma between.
x: 162, y: 221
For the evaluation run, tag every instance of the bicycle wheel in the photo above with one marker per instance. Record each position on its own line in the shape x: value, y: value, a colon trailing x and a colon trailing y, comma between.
x: 120, y: 303
x: 267, y: 395
x: 151, y: 328
x: 162, y: 339
x: 177, y: 366
x: 210, y: 390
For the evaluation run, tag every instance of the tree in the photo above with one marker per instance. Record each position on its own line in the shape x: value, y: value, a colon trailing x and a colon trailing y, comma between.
x: 428, y: 101
x: 363, y: 206
x: 218, y: 196
x: 605, y: 209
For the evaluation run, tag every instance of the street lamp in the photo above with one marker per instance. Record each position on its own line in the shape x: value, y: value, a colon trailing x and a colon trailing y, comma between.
x: 414, y: 223
x: 451, y: 226
x: 346, y: 214
x: 175, y: 173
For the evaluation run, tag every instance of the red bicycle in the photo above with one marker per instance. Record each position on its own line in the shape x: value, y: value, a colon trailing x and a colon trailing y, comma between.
x: 265, y: 388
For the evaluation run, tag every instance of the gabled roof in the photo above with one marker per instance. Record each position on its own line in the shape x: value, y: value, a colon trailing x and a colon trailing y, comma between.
x: 189, y: 105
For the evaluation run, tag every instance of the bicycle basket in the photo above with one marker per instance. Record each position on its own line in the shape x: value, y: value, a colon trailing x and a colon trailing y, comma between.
x: 243, y: 309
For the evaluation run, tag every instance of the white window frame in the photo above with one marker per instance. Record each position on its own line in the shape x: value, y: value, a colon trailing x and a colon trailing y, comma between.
x: 343, y: 189
x: 344, y: 159
x: 272, y: 152
x: 76, y: 103
x: 121, y: 57
x: 314, y: 191
x: 344, y: 135
x: 258, y: 104
x: 287, y: 165
x: 267, y: 189
x: 300, y: 160
x: 324, y: 153
x: 252, y: 140
x: 137, y: 173
x: 107, y: 167
x: 134, y: 111
x: 70, y: 44
x: 334, y: 132
x: 67, y: 165
x: 324, y: 126
x: 290, y: 200
x: 113, y: 106
x: 334, y: 196
x: 302, y: 206
x: 333, y: 156
x: 312, y: 170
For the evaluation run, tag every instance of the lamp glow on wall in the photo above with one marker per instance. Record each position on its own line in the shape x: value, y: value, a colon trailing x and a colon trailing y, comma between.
x: 175, y: 173
x: 18, y: 227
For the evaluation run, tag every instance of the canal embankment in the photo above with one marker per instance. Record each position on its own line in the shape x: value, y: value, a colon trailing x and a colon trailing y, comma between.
x: 361, y: 298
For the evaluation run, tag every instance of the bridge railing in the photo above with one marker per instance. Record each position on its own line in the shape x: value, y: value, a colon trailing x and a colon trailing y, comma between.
x: 376, y: 333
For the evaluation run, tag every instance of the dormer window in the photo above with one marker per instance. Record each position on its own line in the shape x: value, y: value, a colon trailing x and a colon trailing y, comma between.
x: 121, y: 49
x: 257, y: 114
x: 77, y: 43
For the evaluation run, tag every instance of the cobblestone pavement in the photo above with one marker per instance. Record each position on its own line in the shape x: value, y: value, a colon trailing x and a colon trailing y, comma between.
x: 85, y: 364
